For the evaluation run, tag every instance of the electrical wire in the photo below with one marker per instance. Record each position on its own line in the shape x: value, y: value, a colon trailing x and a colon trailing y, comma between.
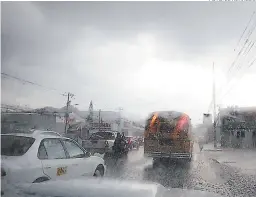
x: 245, y: 30
x: 247, y: 39
x: 5, y: 75
x: 245, y: 47
x: 241, y: 76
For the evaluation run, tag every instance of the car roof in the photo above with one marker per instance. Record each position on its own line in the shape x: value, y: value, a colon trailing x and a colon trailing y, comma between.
x: 97, y: 187
x: 37, y: 134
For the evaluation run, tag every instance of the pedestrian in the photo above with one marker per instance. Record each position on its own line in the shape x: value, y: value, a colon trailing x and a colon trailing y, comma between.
x: 123, y: 136
x: 200, y: 143
x: 117, y: 143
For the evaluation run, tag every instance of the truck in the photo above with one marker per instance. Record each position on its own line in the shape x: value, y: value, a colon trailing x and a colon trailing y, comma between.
x: 100, y: 142
x: 168, y: 136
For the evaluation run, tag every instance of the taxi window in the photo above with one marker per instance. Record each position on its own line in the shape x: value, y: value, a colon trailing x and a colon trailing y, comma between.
x: 12, y: 145
x: 42, y: 154
x: 51, y: 149
x: 73, y: 149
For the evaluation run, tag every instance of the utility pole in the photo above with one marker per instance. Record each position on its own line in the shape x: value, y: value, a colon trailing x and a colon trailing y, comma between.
x: 89, y: 118
x: 70, y: 95
x: 120, y: 118
x: 99, y: 119
x: 214, y: 106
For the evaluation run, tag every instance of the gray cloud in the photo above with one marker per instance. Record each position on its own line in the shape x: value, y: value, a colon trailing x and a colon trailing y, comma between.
x: 193, y: 24
x: 94, y: 49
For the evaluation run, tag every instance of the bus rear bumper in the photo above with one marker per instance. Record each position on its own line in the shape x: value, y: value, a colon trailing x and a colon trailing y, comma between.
x: 169, y: 155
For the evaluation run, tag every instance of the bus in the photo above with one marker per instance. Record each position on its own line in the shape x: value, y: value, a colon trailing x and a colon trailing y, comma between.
x: 168, y: 135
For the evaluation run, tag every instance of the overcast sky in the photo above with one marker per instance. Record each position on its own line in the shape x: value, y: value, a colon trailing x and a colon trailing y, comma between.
x: 141, y: 56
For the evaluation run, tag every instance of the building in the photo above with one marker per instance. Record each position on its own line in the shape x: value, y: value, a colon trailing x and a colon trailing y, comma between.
x: 53, y: 119
x: 131, y: 128
x: 237, y: 126
x: 14, y: 121
x: 113, y: 121
x: 104, y: 126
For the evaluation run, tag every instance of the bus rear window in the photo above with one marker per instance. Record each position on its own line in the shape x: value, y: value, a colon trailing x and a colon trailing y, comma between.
x: 12, y: 145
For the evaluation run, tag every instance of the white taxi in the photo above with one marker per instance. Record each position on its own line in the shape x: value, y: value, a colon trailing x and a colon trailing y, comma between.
x: 42, y: 156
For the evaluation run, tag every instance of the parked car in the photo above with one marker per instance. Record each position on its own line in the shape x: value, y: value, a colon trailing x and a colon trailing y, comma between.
x: 132, y: 142
x: 39, y: 157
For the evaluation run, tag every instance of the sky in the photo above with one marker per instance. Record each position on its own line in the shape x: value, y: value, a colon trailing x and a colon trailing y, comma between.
x: 141, y: 56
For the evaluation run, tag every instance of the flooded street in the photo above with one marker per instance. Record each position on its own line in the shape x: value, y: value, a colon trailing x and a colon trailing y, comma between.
x: 203, y: 173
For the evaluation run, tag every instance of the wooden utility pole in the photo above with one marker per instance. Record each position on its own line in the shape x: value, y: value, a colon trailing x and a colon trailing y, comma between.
x: 70, y: 95
x: 120, y: 119
x: 214, y: 107
x: 99, y: 119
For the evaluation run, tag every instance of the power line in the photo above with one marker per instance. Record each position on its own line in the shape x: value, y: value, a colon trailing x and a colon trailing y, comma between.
x: 69, y: 95
x: 237, y: 56
x: 246, y: 41
x: 245, y: 30
x: 252, y: 63
x: 240, y: 66
x: 30, y: 82
x: 249, y: 46
x: 245, y: 47
x: 241, y: 76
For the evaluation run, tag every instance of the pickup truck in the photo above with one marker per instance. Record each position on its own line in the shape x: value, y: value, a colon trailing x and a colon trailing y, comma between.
x: 100, y: 142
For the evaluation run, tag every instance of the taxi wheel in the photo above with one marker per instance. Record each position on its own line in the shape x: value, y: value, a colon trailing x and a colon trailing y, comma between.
x: 99, y: 172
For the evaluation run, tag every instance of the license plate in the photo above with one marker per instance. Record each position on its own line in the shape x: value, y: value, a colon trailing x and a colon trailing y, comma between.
x: 61, y: 171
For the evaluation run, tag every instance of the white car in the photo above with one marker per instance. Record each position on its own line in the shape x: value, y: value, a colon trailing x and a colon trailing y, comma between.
x: 42, y: 156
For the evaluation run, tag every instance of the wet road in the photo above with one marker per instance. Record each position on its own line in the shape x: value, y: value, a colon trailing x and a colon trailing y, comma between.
x: 202, y: 174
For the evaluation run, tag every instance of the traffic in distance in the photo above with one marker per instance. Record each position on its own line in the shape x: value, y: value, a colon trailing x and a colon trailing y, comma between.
x: 37, y: 156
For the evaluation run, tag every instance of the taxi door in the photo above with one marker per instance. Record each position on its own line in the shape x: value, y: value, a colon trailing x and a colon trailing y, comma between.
x: 80, y: 164
x: 53, y: 156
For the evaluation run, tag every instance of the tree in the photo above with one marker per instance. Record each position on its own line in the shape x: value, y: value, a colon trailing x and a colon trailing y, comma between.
x: 89, y: 118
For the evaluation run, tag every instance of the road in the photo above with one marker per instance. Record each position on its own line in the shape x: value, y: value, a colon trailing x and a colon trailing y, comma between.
x: 202, y: 173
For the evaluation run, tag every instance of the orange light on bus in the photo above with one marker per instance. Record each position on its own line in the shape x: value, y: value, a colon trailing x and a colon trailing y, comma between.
x: 153, y: 120
x: 152, y: 126
x: 181, y: 122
